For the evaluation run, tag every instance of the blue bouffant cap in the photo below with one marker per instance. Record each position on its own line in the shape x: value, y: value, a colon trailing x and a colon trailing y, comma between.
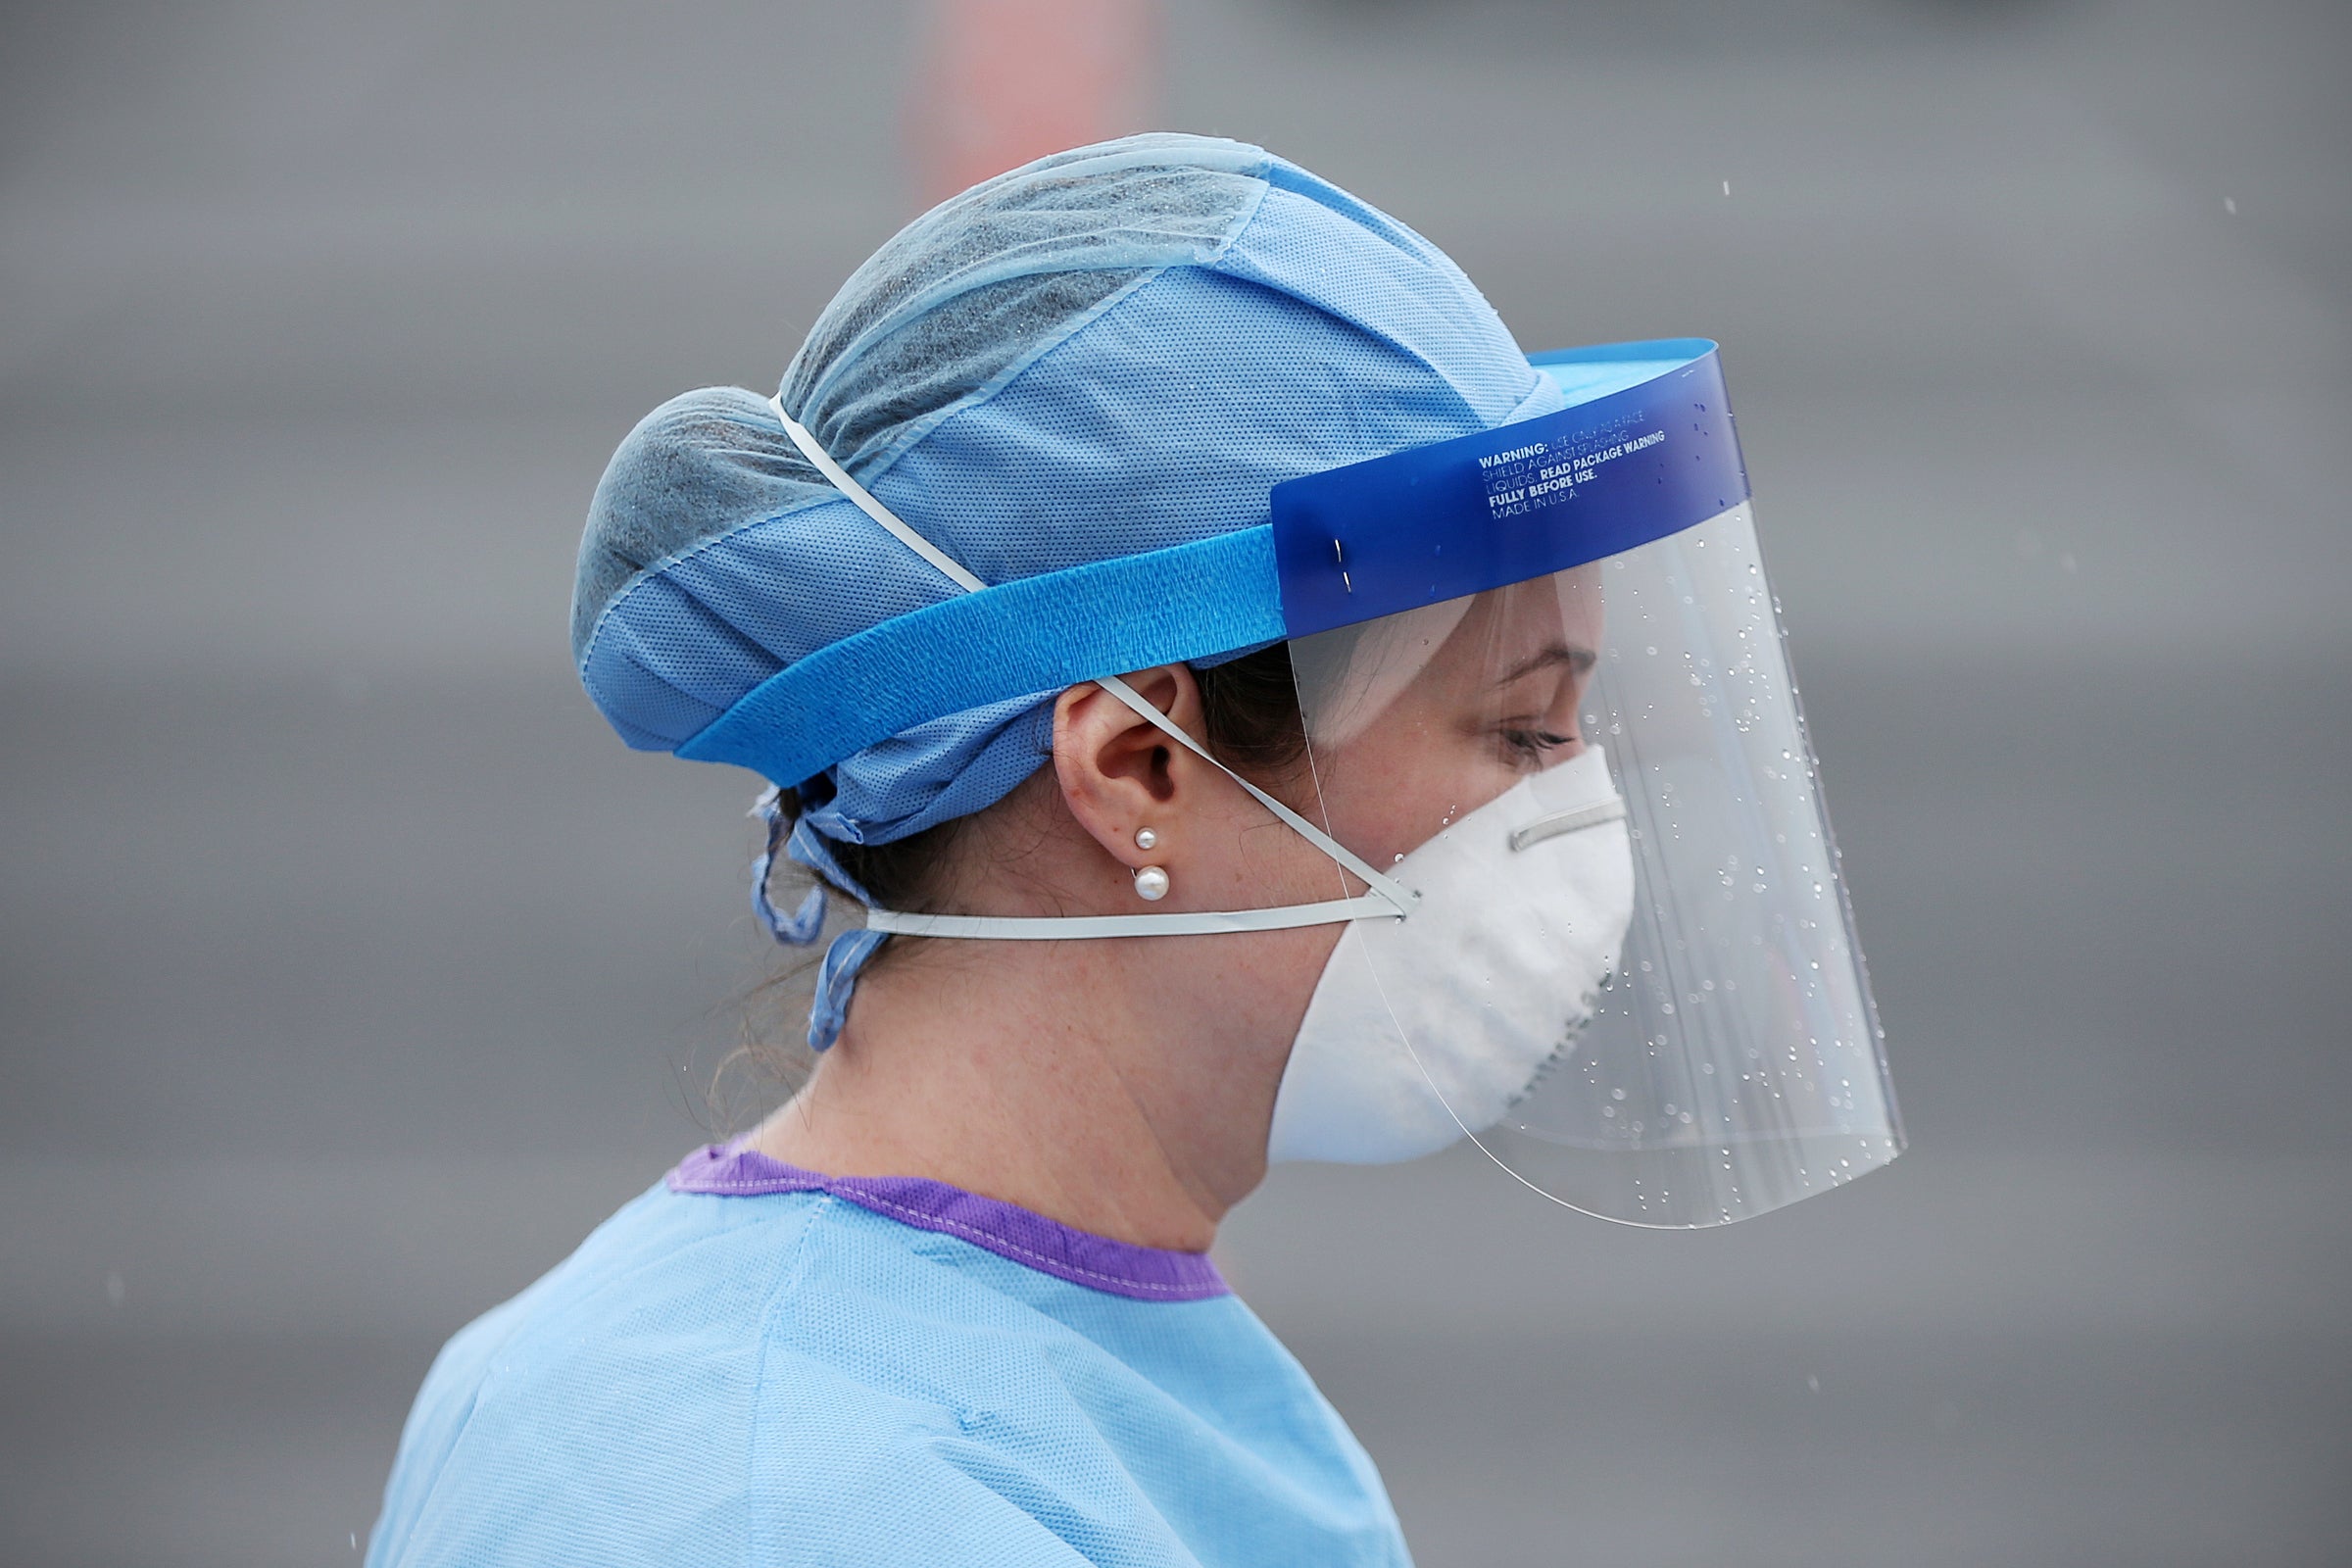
x: 1079, y: 380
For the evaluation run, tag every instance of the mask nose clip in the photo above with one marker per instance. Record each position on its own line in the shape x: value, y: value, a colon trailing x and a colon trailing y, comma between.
x: 1559, y: 823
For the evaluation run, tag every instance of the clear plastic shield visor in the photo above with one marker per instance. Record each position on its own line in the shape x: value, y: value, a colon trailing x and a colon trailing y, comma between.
x: 1632, y: 975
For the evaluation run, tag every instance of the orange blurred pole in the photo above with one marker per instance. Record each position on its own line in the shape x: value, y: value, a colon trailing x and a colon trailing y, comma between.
x: 1005, y: 81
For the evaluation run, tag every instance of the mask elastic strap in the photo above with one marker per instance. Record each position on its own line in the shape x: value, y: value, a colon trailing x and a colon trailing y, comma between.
x: 1386, y: 898
x: 863, y: 501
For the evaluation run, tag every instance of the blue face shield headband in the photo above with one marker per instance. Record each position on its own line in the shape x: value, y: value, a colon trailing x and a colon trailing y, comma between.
x: 1343, y: 547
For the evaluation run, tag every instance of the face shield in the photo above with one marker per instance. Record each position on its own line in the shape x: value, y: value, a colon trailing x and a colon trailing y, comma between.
x: 1545, y: 691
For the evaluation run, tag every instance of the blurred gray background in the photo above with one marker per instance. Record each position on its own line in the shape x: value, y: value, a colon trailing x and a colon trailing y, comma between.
x: 350, y: 969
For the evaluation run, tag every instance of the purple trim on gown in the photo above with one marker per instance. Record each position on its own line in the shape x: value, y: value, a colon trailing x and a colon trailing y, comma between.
x: 1121, y: 1268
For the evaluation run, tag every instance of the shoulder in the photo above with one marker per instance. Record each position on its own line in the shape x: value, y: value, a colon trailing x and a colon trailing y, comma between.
x: 810, y: 1380
x: 620, y: 1382
x: 704, y: 1372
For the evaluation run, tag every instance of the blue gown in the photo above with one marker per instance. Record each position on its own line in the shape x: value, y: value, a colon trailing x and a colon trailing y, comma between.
x: 756, y: 1365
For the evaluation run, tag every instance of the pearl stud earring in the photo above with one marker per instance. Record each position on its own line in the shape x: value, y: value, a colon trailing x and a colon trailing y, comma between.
x: 1145, y: 839
x: 1150, y: 884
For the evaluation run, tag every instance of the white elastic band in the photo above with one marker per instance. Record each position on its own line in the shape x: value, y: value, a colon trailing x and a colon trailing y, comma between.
x: 1064, y: 928
x: 1401, y: 900
x: 865, y: 503
x: 1559, y: 823
x: 1387, y: 897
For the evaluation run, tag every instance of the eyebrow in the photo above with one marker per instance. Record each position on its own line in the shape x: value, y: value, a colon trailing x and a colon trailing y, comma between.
x: 1575, y: 657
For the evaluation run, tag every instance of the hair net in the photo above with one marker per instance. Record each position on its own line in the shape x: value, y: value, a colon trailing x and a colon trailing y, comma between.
x: 1107, y: 352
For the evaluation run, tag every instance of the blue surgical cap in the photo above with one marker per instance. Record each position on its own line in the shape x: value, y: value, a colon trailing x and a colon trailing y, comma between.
x: 1105, y: 358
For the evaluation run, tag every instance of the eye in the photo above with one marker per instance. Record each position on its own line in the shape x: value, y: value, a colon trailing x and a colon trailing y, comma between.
x: 1527, y: 743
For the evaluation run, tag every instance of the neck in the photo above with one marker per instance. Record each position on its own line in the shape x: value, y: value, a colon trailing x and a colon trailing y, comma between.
x: 1073, y: 1079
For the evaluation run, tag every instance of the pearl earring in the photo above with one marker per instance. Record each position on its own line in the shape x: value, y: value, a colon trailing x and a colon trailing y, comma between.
x: 1145, y: 839
x: 1150, y: 884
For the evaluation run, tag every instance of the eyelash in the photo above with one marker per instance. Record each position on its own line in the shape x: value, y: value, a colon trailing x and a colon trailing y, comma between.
x: 1532, y: 743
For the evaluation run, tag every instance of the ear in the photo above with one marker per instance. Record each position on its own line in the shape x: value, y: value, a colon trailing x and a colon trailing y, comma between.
x: 1119, y: 771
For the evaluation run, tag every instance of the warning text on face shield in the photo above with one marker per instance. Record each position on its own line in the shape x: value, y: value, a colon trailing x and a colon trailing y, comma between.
x: 1540, y: 474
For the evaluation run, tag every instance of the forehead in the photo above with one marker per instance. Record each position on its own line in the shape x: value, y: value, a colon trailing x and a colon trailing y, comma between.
x: 1466, y: 650
x: 1506, y: 634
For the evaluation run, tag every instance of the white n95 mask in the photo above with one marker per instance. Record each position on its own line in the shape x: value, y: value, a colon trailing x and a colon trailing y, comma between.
x: 1430, y: 1027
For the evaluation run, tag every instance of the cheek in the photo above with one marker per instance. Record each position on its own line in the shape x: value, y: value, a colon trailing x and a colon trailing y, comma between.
x: 1387, y: 809
x: 1245, y: 858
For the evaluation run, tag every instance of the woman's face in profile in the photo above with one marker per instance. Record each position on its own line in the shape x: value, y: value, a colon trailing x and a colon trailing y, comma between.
x: 1438, y: 712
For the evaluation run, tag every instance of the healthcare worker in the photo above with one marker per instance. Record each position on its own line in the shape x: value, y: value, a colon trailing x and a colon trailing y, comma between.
x: 1246, y: 710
